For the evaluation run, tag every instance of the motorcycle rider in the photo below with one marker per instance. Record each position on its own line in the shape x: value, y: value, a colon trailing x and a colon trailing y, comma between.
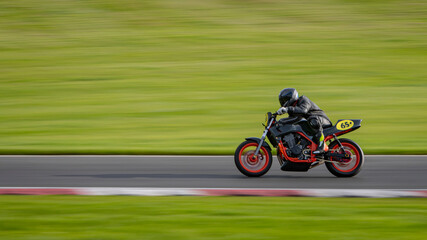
x: 296, y: 106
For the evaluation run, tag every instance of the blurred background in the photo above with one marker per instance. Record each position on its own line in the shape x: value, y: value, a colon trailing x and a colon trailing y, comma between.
x: 197, y: 77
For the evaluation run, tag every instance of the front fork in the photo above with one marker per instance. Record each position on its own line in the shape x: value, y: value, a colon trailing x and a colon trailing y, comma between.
x: 260, y: 143
x: 263, y: 138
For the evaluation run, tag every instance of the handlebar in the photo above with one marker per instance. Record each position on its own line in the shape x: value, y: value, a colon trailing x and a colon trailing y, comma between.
x: 272, y: 115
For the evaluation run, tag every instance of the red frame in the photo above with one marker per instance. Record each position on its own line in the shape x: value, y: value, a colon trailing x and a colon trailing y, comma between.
x: 312, y: 147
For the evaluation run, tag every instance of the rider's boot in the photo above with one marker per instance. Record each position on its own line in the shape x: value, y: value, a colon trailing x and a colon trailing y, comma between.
x: 322, y: 147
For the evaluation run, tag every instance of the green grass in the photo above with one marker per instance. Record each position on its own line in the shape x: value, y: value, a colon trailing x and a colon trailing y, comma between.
x: 120, y: 217
x: 196, y: 77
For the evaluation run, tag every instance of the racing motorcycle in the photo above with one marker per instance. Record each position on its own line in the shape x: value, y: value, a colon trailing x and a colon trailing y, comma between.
x: 293, y: 139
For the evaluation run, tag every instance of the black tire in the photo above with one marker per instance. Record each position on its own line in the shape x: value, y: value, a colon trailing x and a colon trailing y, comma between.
x: 249, y: 166
x: 351, y: 168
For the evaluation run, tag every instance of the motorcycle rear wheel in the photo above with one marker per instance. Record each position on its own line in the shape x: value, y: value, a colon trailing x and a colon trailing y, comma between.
x: 348, y: 168
x: 250, y: 165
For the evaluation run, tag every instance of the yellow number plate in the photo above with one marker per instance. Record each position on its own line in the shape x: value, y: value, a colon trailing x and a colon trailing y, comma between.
x: 345, y: 124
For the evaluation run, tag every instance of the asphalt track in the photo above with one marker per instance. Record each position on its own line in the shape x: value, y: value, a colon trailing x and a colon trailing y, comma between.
x: 379, y: 172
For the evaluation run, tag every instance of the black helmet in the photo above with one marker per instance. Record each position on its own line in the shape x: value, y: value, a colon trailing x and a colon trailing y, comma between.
x: 288, y: 96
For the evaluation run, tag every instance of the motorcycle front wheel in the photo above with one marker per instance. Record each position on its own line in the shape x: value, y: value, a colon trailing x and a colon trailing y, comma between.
x: 249, y: 164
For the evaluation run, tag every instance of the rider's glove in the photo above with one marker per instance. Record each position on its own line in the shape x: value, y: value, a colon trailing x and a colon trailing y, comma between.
x: 282, y: 110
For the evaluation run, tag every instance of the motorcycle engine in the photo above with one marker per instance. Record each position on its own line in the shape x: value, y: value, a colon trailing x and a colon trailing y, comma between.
x: 295, y: 145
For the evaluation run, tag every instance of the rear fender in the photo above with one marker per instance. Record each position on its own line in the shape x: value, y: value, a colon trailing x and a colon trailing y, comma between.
x: 257, y: 140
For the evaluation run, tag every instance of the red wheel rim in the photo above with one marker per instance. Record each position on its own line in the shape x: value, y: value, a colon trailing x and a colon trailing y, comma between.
x: 251, y: 163
x: 351, y: 165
